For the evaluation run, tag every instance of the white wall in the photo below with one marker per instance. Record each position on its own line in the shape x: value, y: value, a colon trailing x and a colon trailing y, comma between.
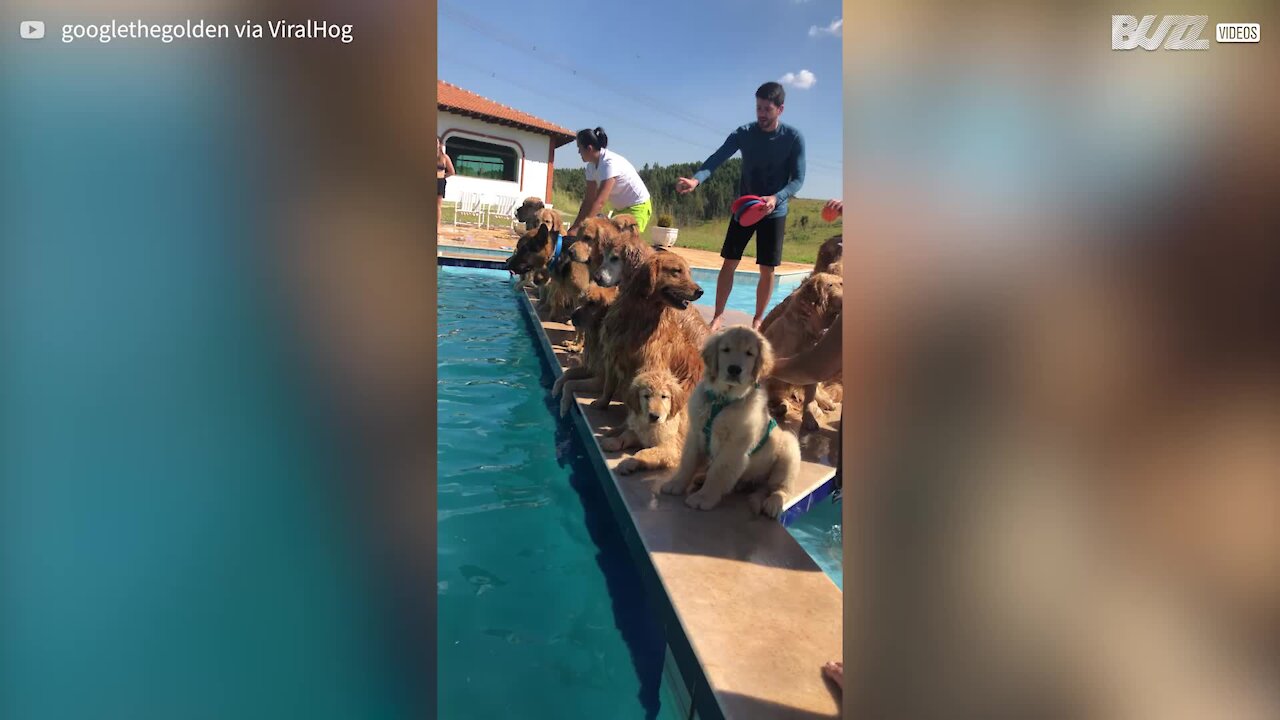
x: 534, y: 151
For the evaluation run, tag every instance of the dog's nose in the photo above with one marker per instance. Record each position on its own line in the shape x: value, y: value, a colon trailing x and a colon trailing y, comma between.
x: 698, y: 292
x: 734, y: 370
x: 653, y: 418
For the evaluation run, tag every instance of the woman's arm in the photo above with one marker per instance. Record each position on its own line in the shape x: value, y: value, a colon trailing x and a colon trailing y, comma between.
x: 448, y: 166
x: 819, y: 364
x: 593, y: 203
x: 588, y: 199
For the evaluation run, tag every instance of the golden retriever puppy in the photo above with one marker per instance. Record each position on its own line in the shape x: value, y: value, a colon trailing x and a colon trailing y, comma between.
x: 656, y: 422
x: 652, y: 325
x: 814, y: 306
x: 730, y: 428
x: 589, y: 375
x: 570, y: 278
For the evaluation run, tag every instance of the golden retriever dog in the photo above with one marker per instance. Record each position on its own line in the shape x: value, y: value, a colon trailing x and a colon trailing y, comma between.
x: 656, y: 422
x: 533, y: 254
x: 830, y: 260
x: 588, y: 375
x: 652, y: 325
x: 615, y: 257
x: 534, y: 212
x: 570, y: 278
x: 730, y: 428
x: 626, y: 224
x: 813, y: 307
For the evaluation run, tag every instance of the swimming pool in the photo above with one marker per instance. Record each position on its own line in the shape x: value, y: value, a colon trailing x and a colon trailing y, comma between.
x: 541, y: 611
x: 742, y: 298
x: 819, y: 533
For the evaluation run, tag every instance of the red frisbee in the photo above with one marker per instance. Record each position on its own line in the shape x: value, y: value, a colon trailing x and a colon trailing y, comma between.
x: 829, y: 214
x: 737, y: 204
x: 752, y: 212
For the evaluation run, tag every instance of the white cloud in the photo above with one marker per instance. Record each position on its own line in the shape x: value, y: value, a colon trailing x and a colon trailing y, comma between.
x: 803, y: 79
x: 835, y: 29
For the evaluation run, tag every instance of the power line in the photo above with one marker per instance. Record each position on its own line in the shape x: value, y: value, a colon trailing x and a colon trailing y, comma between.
x: 521, y: 45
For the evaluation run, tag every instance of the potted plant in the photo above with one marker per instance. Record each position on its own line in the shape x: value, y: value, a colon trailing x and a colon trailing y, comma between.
x: 663, y: 233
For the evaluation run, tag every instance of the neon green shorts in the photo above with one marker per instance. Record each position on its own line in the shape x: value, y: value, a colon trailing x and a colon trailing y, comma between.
x: 641, y: 213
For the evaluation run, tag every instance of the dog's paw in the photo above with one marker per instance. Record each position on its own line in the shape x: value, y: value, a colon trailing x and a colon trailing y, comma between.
x: 755, y: 501
x: 565, y: 400
x: 674, y: 486
x: 810, y: 421
x: 611, y: 444
x: 702, y: 500
x: 773, y: 504
x: 628, y: 466
x: 601, y: 403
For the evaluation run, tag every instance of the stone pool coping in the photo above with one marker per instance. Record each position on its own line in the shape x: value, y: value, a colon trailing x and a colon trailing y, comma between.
x: 749, y: 615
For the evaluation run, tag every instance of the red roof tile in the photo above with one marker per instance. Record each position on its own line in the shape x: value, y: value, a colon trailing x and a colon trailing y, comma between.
x: 454, y: 99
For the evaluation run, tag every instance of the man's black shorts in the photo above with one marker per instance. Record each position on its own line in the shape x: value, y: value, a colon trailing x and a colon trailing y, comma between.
x: 768, y: 234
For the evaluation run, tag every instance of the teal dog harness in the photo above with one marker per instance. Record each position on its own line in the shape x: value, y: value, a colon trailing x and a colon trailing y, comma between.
x: 718, y: 403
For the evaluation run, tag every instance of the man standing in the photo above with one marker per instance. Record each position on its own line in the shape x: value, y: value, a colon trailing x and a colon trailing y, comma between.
x: 773, y: 168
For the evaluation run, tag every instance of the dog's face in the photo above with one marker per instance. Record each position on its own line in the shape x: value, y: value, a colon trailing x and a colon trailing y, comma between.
x: 597, y: 230
x: 615, y: 258
x: 532, y: 251
x: 527, y: 213
x: 655, y: 397
x: 735, y: 359
x: 666, y: 278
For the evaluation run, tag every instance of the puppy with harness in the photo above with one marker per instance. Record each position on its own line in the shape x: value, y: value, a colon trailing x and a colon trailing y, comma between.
x: 731, y: 429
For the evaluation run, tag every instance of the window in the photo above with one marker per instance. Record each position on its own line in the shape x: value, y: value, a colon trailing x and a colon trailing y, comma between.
x: 480, y: 159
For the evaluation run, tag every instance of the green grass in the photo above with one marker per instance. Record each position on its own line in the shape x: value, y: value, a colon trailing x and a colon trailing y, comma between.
x: 799, y: 245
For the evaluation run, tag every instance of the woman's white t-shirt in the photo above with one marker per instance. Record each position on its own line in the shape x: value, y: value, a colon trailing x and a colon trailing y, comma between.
x: 628, y: 188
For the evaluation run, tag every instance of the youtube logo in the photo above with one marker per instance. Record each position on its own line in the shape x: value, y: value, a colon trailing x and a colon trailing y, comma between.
x: 31, y: 29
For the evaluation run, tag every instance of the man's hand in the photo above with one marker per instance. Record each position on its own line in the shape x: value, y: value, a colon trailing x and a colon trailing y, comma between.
x: 770, y: 202
x: 686, y: 185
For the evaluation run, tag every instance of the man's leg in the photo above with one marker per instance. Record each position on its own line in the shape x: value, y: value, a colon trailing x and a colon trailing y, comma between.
x: 724, y: 286
x: 764, y: 291
x: 768, y: 257
x: 735, y: 241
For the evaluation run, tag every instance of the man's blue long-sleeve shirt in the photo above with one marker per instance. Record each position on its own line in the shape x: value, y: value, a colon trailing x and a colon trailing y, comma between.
x: 772, y: 162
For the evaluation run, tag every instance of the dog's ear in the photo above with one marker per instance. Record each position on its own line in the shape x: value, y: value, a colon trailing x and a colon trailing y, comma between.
x: 764, y: 360
x: 543, y: 236
x: 644, y: 279
x: 632, y: 399
x: 711, y: 356
x: 679, y: 397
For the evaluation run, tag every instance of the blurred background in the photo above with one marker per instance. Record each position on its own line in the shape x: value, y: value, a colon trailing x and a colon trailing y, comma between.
x: 216, y: 388
x: 1066, y: 493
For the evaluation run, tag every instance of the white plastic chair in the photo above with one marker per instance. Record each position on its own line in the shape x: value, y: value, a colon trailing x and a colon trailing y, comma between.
x: 503, y: 206
x: 470, y: 203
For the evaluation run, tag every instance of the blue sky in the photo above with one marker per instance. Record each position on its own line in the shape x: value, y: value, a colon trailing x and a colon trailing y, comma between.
x: 667, y: 79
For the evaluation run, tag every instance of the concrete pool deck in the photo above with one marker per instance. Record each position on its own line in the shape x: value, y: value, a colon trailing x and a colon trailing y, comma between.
x: 752, y: 617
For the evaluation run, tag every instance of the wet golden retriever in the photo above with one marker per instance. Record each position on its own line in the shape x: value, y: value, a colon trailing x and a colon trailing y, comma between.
x: 570, y: 278
x: 532, y: 255
x: 589, y: 374
x: 615, y: 257
x: 730, y: 429
x: 652, y: 325
x: 656, y: 423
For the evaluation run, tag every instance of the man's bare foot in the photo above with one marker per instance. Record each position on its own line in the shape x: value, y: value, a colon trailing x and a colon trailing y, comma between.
x: 716, y: 322
x: 755, y: 323
x: 835, y: 672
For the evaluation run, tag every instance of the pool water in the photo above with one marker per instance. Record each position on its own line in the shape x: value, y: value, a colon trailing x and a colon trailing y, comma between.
x: 541, y: 611
x: 819, y: 532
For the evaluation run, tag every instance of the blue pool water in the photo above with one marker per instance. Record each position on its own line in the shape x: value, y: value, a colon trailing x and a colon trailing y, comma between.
x: 541, y: 612
x: 819, y: 533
